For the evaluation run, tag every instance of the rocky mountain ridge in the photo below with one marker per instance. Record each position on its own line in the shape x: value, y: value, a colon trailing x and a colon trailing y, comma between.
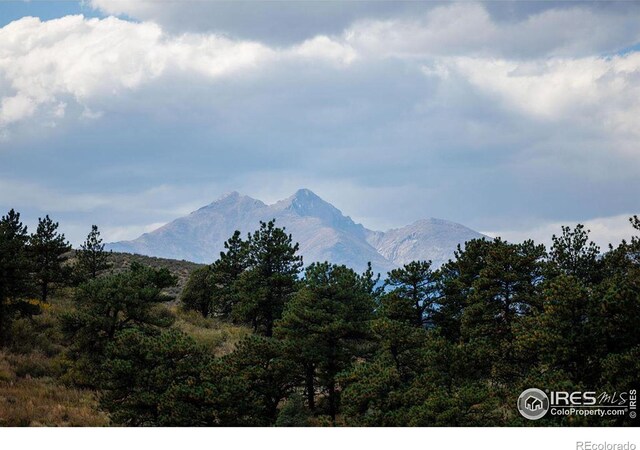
x: 323, y: 232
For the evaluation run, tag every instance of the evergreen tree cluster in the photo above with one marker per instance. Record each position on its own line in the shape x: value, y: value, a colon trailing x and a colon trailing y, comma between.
x: 453, y: 346
x: 31, y: 265
x: 250, y: 282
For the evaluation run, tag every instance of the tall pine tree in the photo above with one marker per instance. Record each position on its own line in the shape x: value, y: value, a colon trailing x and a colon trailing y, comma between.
x: 48, y: 247
x: 225, y: 273
x: 328, y: 323
x: 196, y: 295
x: 91, y: 257
x: 14, y: 272
x: 413, y: 286
x: 271, y: 278
x: 573, y: 254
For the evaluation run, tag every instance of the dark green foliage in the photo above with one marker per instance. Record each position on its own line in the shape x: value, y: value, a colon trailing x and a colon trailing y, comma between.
x: 382, y: 390
x: 618, y: 298
x: 506, y: 289
x: 267, y: 374
x: 213, y: 290
x: 573, y: 254
x: 225, y: 273
x: 196, y: 295
x: 113, y: 303
x: 48, y: 248
x: 450, y: 347
x: 252, y: 280
x: 120, y: 262
x: 473, y: 404
x: 328, y: 322
x: 167, y: 380
x: 371, y: 283
x: 455, y: 283
x: 413, y: 293
x: 294, y: 413
x: 565, y: 338
x: 399, y: 344
x: 440, y: 389
x: 91, y: 258
x: 368, y: 396
x: 153, y: 380
x: 270, y: 279
x: 620, y: 370
x: 15, y: 267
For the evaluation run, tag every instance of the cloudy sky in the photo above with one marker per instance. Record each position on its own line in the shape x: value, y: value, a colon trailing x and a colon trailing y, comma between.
x: 509, y: 117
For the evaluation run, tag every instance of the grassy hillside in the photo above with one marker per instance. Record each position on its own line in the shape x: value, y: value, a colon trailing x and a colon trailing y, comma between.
x: 31, y: 397
x: 34, y: 385
x: 120, y: 262
x: 181, y: 269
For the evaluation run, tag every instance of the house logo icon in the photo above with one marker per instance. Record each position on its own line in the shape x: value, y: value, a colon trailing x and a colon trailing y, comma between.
x: 533, y: 404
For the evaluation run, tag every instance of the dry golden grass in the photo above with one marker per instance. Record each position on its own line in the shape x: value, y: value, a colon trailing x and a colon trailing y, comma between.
x: 31, y: 370
x: 42, y: 402
x: 26, y: 400
x: 218, y: 336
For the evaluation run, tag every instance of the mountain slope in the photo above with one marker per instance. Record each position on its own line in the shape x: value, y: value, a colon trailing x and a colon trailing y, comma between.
x: 199, y: 236
x: 321, y: 229
x: 427, y: 239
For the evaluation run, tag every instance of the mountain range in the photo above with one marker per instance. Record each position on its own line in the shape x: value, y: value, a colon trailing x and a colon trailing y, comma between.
x: 323, y: 232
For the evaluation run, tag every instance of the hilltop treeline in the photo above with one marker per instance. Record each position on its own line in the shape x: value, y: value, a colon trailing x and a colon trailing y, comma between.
x: 324, y: 345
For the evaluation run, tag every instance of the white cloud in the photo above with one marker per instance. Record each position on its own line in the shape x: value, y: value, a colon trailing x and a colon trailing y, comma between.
x: 450, y: 113
x: 127, y: 232
x: 443, y: 31
x: 600, y: 95
x: 557, y: 88
x: 94, y: 60
x: 91, y: 58
x: 16, y: 108
x: 467, y: 29
x: 421, y: 28
x: 323, y: 47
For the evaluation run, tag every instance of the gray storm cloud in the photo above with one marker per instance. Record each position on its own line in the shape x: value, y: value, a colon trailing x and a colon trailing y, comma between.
x: 503, y: 121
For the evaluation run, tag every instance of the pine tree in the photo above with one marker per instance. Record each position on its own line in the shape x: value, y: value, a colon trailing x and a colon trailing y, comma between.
x: 92, y: 258
x: 197, y: 293
x: 414, y: 285
x: 15, y: 266
x: 573, y: 254
x: 507, y: 287
x: 155, y: 380
x: 564, y: 339
x: 270, y: 279
x: 455, y: 284
x: 294, y: 413
x: 116, y: 302
x: 618, y: 302
x: 327, y: 322
x: 110, y: 304
x: 48, y: 248
x: 268, y: 374
x: 225, y: 273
